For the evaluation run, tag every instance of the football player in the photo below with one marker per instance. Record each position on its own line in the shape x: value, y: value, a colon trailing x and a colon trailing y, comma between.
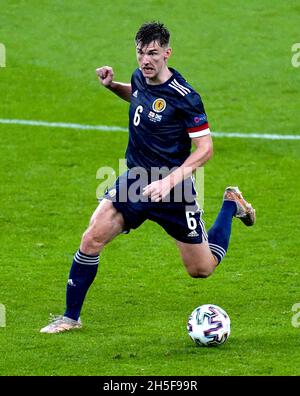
x: 166, y: 117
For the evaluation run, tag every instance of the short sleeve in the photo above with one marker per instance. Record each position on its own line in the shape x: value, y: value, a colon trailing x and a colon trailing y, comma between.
x: 133, y: 84
x: 194, y: 116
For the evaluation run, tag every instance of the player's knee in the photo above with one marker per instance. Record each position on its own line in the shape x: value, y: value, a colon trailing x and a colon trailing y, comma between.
x: 91, y: 241
x: 200, y: 272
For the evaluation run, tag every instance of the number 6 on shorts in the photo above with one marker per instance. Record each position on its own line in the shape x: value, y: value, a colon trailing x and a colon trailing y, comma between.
x: 191, y: 221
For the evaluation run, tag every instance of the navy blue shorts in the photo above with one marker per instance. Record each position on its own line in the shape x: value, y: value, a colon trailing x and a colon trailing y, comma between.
x: 179, y: 213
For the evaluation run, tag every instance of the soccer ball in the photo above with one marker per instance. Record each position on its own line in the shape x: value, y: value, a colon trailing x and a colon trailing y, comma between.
x: 208, y: 325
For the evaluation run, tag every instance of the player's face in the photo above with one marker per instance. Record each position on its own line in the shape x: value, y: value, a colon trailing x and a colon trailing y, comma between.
x: 152, y: 59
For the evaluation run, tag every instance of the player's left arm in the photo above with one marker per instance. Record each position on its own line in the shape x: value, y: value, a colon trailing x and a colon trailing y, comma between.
x: 159, y: 189
x: 196, y: 124
x: 202, y: 153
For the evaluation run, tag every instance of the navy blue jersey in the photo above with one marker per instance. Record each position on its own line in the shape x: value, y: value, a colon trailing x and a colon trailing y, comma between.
x: 162, y: 120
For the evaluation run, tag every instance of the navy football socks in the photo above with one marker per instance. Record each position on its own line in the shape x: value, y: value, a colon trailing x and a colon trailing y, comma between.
x: 219, y: 233
x: 82, y: 274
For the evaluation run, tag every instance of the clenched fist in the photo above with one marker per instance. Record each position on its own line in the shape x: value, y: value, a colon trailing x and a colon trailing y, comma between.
x: 105, y: 75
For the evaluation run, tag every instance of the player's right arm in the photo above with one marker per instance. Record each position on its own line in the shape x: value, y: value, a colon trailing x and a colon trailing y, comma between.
x: 105, y: 75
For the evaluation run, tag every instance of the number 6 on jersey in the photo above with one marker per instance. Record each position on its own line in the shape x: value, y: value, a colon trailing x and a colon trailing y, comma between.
x: 137, y: 117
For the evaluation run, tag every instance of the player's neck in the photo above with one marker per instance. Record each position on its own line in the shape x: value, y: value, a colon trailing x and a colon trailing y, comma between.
x: 161, y: 78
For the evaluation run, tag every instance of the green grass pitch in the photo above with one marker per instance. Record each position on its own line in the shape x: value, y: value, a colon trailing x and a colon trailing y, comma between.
x: 238, y: 55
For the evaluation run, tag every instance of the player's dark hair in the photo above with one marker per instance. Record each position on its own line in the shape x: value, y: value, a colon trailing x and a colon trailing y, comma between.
x: 153, y: 31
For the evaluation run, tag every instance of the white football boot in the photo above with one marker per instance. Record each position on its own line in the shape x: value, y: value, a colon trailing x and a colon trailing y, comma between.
x: 245, y: 211
x: 61, y: 323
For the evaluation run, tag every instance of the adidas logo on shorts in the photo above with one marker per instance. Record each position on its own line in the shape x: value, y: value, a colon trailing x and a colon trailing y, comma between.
x: 193, y: 234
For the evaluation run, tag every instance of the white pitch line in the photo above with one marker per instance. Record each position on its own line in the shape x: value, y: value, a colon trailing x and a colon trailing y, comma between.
x: 107, y: 128
x: 256, y: 136
x: 66, y: 125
